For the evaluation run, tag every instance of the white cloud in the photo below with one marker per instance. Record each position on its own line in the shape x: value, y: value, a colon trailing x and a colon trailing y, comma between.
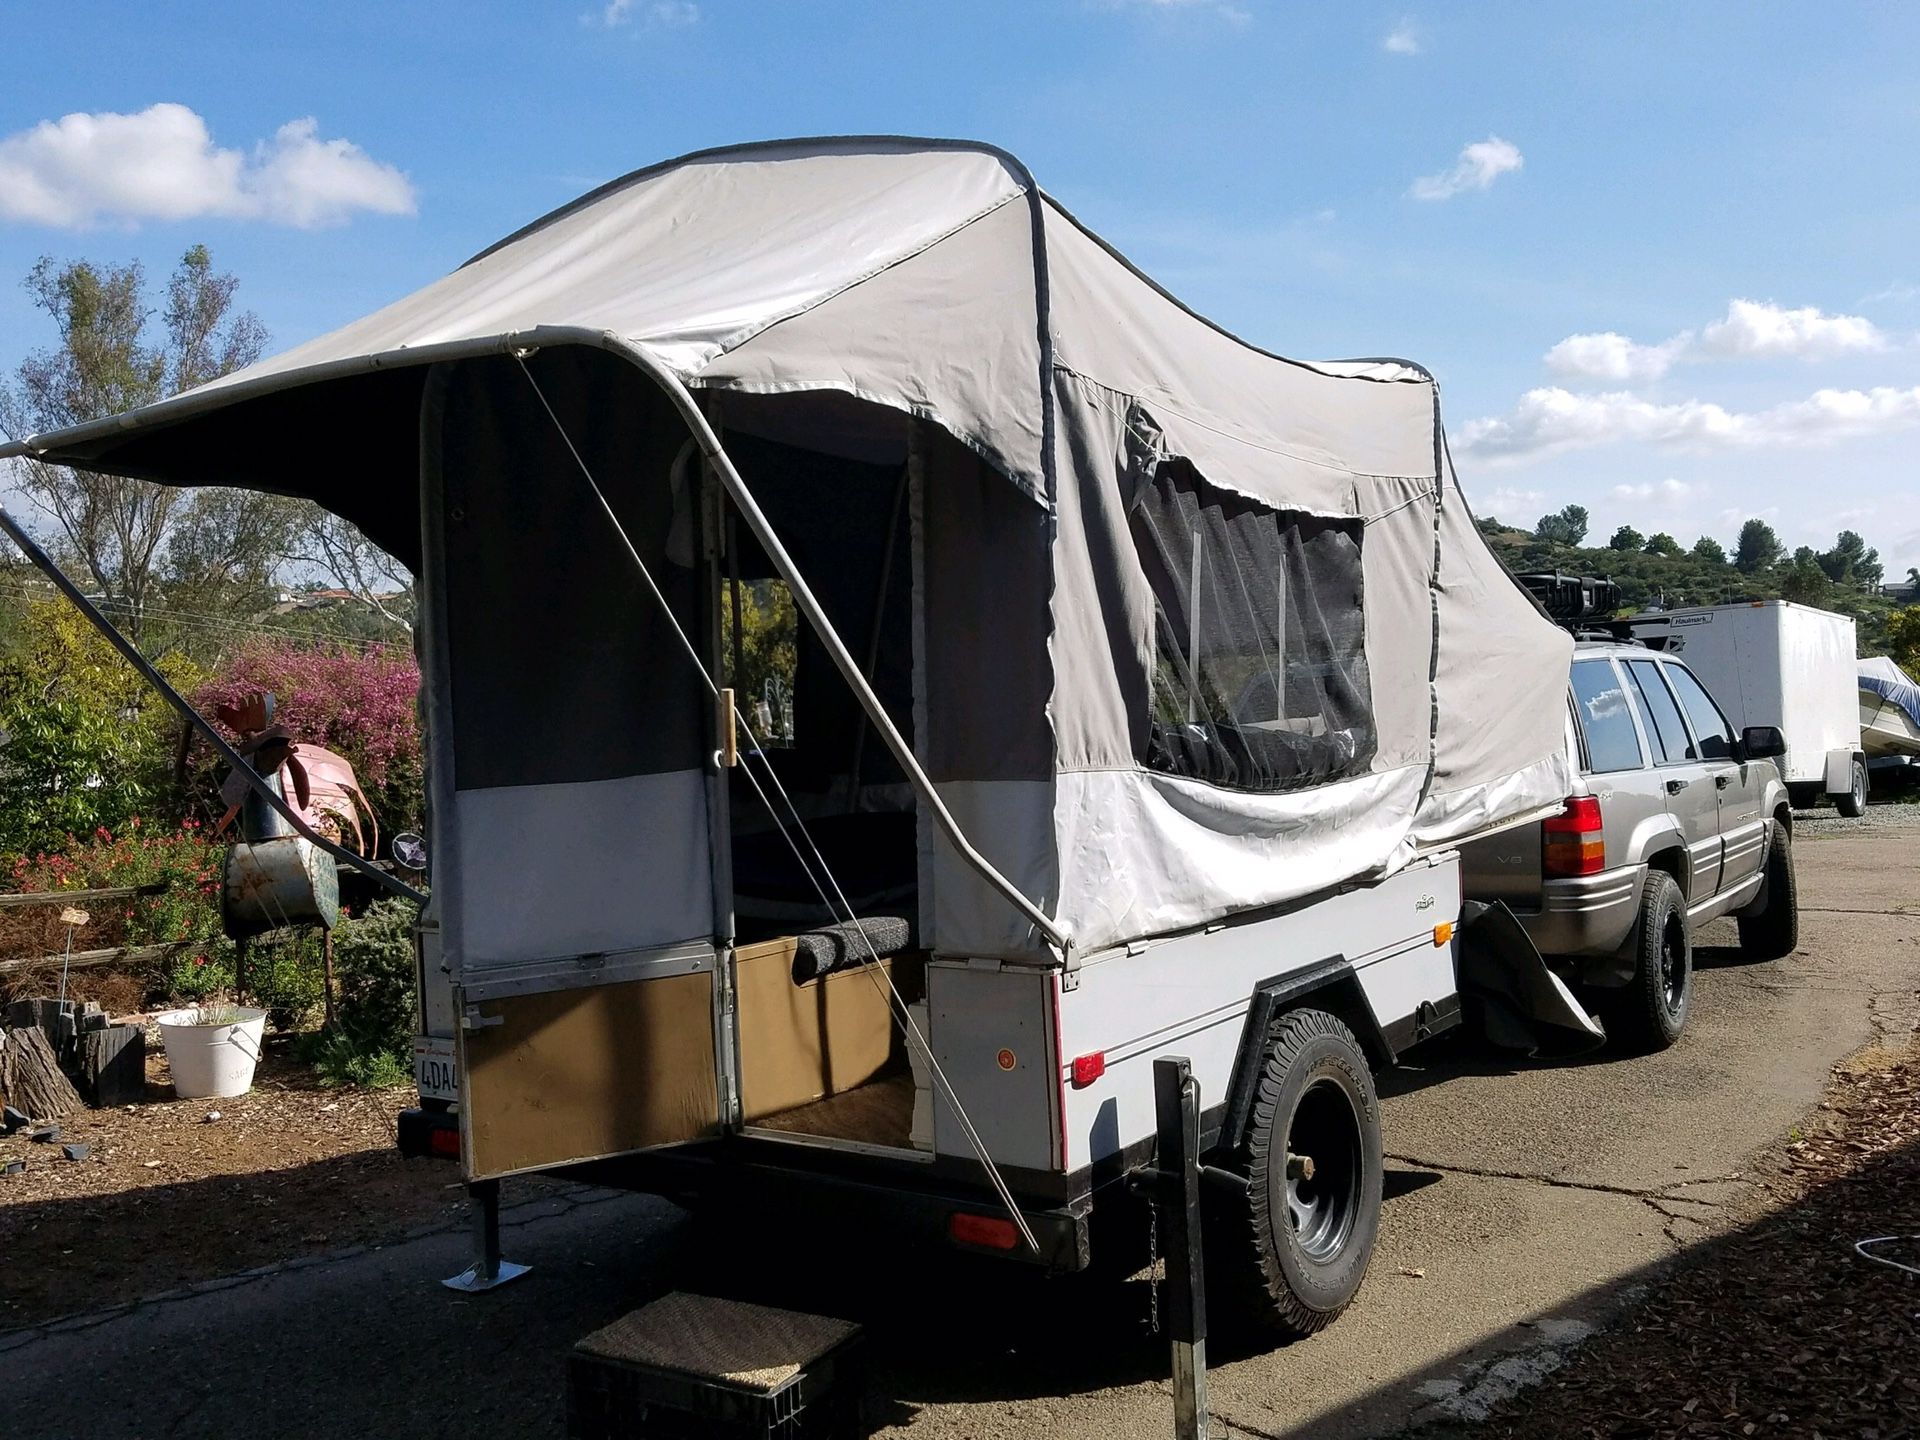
x: 1403, y: 39
x: 1224, y: 9
x: 1750, y: 330
x: 1898, y: 294
x: 1669, y: 494
x: 1552, y: 419
x: 162, y: 164
x: 1506, y: 501
x: 1766, y: 331
x: 1479, y: 165
x: 660, y: 15
x: 1610, y: 356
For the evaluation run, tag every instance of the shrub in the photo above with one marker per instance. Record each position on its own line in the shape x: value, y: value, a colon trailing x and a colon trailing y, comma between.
x: 86, y: 744
x: 182, y: 858
x: 359, y: 703
x: 338, y: 1059
x: 286, y: 977
x: 375, y: 970
x: 194, y: 978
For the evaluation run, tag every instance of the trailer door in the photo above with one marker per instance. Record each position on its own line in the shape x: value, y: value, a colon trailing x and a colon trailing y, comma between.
x: 568, y: 737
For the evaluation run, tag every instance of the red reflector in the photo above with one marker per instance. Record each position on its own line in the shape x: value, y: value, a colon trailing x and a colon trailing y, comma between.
x: 996, y: 1232
x: 1574, y: 842
x: 444, y: 1140
x: 1088, y: 1068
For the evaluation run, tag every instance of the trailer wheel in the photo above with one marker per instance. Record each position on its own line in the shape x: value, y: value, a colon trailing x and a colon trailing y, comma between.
x: 1773, y: 931
x: 1649, y: 1011
x: 1294, y: 1246
x: 1853, y: 804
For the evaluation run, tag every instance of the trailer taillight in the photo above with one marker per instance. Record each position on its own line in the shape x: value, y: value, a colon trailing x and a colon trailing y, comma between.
x: 1574, y: 841
x: 995, y: 1232
x: 1088, y: 1068
x: 444, y: 1141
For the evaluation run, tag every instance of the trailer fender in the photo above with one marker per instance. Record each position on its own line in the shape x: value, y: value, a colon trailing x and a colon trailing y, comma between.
x: 1332, y: 986
x: 1521, y: 1004
x: 1840, y: 770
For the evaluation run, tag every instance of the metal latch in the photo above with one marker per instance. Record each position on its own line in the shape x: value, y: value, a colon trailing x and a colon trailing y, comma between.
x: 472, y: 1019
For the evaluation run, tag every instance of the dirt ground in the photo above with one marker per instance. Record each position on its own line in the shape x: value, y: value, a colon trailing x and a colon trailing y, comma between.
x: 168, y: 1196
x: 1780, y: 1327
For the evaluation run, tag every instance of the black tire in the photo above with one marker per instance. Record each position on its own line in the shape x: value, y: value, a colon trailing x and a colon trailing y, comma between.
x: 1853, y: 804
x: 1772, y: 931
x: 1288, y: 1254
x: 1649, y: 1011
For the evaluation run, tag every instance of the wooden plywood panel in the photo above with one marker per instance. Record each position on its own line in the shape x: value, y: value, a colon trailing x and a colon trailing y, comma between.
x: 800, y: 1043
x: 574, y: 1074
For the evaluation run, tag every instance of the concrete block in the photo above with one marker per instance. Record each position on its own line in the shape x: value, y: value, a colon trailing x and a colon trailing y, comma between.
x: 12, y: 1119
x: 44, y: 1134
x: 75, y: 1152
x: 12, y: 1167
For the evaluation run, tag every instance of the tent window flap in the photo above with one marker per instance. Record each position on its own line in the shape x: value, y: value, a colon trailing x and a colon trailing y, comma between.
x: 1259, y: 675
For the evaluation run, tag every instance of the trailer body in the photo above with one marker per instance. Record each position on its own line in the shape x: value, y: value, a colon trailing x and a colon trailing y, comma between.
x: 1775, y: 662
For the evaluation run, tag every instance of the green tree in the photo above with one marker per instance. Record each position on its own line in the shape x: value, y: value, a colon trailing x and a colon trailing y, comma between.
x: 1626, y: 538
x: 1805, y: 582
x: 1903, y: 638
x: 1567, y: 526
x: 1758, y: 548
x: 1851, y: 562
x: 109, y: 359
x: 1709, y: 549
x: 1663, y: 544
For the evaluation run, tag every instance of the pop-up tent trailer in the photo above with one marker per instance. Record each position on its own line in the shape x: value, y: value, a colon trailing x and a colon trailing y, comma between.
x: 1137, y: 668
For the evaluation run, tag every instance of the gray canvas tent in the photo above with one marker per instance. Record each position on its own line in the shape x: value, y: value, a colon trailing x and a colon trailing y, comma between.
x: 1189, y: 628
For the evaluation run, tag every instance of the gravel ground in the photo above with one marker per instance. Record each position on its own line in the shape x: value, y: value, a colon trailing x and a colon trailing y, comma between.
x: 1881, y: 816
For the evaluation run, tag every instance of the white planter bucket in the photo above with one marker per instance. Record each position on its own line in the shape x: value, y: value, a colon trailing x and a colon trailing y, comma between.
x: 212, y: 1051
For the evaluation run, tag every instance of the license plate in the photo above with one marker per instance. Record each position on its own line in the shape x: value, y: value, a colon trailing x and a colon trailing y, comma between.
x: 433, y: 1067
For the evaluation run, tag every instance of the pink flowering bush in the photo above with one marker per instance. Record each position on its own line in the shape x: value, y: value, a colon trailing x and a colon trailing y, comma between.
x: 359, y: 703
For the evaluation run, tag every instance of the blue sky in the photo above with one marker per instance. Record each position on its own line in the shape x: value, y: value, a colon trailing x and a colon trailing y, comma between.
x: 1558, y: 210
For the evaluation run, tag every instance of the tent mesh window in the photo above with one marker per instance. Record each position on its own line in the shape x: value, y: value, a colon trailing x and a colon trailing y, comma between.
x: 1260, y: 672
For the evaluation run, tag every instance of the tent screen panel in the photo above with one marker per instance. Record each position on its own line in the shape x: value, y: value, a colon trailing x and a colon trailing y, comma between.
x: 1259, y: 668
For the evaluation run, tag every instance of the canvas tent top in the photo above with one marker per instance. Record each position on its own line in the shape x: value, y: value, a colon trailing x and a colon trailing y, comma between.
x: 935, y: 279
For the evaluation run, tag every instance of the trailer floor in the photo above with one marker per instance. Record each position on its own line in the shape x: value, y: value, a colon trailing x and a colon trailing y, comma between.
x: 877, y: 1113
x: 1526, y: 1205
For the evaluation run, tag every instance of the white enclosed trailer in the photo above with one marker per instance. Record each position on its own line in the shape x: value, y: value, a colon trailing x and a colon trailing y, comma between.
x: 1773, y: 662
x: 1143, y: 685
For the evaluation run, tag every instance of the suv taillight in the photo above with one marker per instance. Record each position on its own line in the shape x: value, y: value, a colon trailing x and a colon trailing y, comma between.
x: 1574, y: 842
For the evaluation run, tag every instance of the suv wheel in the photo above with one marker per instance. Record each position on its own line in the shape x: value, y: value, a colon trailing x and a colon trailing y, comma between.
x: 1853, y: 804
x: 1650, y: 1011
x: 1773, y: 931
x: 1288, y: 1253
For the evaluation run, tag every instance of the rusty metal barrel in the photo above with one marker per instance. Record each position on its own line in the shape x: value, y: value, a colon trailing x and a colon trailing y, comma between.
x: 275, y: 878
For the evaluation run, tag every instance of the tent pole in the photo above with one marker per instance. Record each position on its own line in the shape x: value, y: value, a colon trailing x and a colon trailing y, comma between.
x: 843, y: 661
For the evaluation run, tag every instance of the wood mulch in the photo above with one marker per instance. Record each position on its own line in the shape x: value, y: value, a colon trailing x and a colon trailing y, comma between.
x: 1779, y: 1328
x: 168, y: 1195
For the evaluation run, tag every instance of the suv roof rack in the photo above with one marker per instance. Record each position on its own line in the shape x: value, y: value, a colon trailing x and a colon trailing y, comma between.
x: 1582, y: 604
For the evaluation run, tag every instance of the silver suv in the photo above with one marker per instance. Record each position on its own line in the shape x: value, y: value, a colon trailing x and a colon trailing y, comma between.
x: 1674, y: 820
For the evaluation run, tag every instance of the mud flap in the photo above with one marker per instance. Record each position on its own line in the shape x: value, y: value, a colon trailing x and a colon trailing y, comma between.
x: 1518, y: 1002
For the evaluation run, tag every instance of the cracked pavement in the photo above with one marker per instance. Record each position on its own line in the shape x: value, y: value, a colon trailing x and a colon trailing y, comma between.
x: 1525, y: 1202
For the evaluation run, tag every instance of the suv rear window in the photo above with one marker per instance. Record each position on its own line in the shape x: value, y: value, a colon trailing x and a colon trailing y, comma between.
x: 1666, y: 729
x: 1612, y: 742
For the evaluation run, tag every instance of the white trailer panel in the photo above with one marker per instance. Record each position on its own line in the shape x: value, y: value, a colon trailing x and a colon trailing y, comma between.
x: 1773, y: 662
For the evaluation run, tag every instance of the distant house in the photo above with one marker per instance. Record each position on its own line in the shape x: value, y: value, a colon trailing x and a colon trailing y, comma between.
x: 308, y: 600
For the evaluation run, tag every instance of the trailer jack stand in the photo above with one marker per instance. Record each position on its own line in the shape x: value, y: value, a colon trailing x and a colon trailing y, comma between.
x: 488, y: 1271
x: 1176, y: 1099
